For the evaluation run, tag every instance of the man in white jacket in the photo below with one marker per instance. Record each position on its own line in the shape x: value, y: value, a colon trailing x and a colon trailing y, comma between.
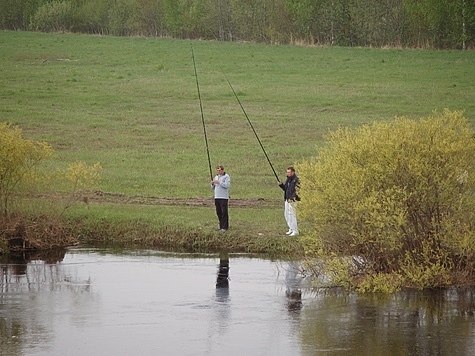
x: 220, y: 185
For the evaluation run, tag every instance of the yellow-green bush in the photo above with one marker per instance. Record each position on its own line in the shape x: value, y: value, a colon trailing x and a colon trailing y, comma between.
x: 19, y: 158
x: 21, y: 172
x: 400, y: 197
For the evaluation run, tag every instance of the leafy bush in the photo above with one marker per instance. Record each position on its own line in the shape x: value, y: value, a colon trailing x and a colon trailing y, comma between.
x: 18, y: 159
x: 121, y: 17
x: 92, y: 17
x: 73, y: 181
x: 394, y: 203
x: 53, y: 16
x: 21, y: 174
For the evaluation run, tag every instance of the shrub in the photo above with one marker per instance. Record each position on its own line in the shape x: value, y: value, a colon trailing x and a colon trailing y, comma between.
x: 76, y: 178
x: 19, y: 158
x: 21, y: 173
x: 53, y: 17
x: 397, y: 198
x: 34, y: 222
x: 92, y: 17
x: 120, y: 17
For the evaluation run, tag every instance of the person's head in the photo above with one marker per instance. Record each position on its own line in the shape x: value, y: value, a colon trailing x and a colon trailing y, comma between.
x: 290, y: 171
x: 220, y: 169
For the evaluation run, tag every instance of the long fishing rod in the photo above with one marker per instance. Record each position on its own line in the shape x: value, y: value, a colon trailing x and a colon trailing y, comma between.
x: 202, y: 115
x: 252, y: 127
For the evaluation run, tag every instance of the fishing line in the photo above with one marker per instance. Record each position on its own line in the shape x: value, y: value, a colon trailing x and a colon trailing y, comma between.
x: 252, y: 127
x: 202, y: 115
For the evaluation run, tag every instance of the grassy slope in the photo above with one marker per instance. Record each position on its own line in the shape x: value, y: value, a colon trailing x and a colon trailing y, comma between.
x: 132, y: 105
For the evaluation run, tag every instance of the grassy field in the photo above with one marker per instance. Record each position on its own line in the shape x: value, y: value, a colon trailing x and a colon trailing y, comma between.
x: 132, y: 105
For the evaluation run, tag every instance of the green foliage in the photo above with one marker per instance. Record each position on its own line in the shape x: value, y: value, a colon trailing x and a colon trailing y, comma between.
x: 408, y: 23
x: 11, y: 14
x: 55, y: 16
x: 20, y: 171
x: 92, y: 17
x: 16, y: 14
x: 399, y: 198
x: 75, y: 179
x: 125, y: 18
x: 174, y: 18
x: 18, y: 160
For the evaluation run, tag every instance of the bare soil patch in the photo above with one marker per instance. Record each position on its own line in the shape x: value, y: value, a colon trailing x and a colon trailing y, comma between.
x: 98, y: 197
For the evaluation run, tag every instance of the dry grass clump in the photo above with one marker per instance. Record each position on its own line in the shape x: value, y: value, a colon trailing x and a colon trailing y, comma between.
x: 24, y: 233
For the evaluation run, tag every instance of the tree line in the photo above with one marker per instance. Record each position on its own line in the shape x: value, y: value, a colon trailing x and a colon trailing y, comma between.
x: 440, y: 24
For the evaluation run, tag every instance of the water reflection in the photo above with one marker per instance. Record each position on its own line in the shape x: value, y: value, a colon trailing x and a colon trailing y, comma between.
x: 222, y: 307
x: 16, y: 263
x: 151, y: 302
x: 411, y: 322
x: 222, y: 281
x: 293, y: 291
x: 28, y: 286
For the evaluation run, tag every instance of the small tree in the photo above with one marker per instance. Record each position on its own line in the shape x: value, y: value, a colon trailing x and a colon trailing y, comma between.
x: 18, y: 160
x: 20, y: 172
x: 392, y: 204
x: 75, y: 179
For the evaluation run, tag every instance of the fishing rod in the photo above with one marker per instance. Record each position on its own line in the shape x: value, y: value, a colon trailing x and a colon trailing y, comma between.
x: 201, y: 109
x: 252, y: 127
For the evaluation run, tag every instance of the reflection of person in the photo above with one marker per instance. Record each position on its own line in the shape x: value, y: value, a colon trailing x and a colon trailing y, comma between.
x: 222, y: 307
x: 222, y: 280
x: 293, y: 291
x: 220, y: 185
x: 291, y: 198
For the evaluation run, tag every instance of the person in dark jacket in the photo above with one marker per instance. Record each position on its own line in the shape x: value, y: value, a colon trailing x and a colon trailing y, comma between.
x: 290, y: 198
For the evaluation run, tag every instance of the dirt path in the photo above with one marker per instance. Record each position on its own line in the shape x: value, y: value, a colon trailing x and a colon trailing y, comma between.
x: 97, y: 197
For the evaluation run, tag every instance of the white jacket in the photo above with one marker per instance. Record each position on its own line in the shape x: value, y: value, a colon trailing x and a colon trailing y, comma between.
x: 221, y: 190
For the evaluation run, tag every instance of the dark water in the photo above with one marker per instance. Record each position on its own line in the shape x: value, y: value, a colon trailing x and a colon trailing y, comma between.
x: 96, y: 302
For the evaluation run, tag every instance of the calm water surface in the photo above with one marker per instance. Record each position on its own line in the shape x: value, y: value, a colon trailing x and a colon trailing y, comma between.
x: 100, y: 302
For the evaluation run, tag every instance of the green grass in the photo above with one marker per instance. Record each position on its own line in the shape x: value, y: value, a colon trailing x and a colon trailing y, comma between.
x: 132, y: 105
x: 185, y: 217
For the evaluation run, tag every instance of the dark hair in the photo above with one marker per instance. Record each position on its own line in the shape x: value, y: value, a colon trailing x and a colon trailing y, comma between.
x: 291, y: 168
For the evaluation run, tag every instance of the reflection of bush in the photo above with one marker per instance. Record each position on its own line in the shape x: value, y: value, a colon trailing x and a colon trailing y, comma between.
x: 392, y: 204
x: 18, y: 261
x: 408, y: 322
x: 36, y: 271
x: 25, y: 279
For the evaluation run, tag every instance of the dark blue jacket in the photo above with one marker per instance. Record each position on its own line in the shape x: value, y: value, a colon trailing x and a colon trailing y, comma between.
x: 290, y: 188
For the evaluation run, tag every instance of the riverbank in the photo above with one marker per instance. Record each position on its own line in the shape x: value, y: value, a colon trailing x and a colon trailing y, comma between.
x: 119, y: 220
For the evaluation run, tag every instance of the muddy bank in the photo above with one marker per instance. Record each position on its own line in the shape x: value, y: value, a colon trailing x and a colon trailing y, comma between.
x: 21, y: 233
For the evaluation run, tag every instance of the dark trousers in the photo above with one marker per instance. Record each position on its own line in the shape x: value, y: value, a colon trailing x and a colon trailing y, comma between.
x: 222, y: 212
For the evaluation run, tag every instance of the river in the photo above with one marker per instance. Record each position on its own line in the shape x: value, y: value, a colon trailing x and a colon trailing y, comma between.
x: 86, y: 301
